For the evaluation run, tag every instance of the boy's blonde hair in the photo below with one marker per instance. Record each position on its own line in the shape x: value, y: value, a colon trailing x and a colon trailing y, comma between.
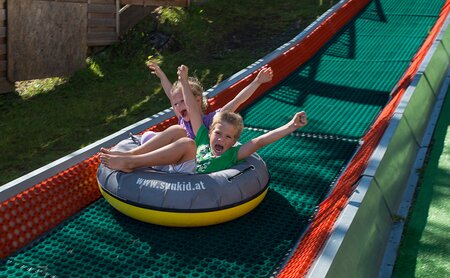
x: 196, y: 89
x: 232, y: 118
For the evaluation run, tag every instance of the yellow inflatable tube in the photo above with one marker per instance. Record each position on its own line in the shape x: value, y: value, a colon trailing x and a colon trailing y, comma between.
x: 183, y: 219
x: 185, y: 200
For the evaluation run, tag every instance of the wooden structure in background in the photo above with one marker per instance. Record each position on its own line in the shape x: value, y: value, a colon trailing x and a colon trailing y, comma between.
x: 103, y: 22
x: 45, y: 38
x: 5, y: 85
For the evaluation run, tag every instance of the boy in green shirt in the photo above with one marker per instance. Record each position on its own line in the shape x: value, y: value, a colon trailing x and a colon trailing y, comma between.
x: 211, y: 151
x: 208, y: 161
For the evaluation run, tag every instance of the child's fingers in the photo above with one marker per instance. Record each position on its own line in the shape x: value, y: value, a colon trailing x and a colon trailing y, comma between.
x: 265, y: 75
x: 184, y: 68
x: 266, y: 70
x: 104, y: 150
x: 269, y: 72
x: 300, y: 118
x: 303, y: 119
x: 153, y: 68
x: 182, y: 72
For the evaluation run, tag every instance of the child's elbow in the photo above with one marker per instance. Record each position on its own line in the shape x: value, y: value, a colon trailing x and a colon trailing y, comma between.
x: 258, y: 143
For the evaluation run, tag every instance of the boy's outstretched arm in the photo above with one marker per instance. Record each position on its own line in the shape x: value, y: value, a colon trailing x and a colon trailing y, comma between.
x: 194, y: 110
x: 265, y: 75
x: 165, y: 82
x: 298, y: 121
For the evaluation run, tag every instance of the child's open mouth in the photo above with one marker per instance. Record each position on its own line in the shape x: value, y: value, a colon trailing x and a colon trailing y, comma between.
x: 218, y: 148
x: 183, y: 113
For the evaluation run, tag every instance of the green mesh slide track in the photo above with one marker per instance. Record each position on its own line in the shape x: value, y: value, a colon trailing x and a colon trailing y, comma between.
x: 342, y: 88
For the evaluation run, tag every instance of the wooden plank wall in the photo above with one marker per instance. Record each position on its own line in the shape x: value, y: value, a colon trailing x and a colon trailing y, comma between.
x: 5, y: 85
x: 45, y: 39
x: 102, y: 22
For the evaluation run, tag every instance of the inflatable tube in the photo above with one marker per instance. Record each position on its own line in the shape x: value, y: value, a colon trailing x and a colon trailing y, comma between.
x: 183, y: 200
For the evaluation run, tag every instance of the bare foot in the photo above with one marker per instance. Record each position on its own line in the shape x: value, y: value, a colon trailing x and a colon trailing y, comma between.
x: 108, y: 151
x: 116, y: 162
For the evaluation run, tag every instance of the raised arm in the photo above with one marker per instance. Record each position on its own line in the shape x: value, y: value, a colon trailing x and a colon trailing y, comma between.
x: 165, y: 82
x: 194, y: 110
x: 265, y: 75
x: 298, y: 121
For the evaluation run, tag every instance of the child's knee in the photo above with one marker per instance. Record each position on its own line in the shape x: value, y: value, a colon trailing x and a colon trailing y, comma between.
x: 188, y: 146
x: 188, y: 142
x: 177, y: 131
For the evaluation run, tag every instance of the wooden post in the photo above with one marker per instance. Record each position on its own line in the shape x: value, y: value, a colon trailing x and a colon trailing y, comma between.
x: 117, y: 18
x: 5, y: 85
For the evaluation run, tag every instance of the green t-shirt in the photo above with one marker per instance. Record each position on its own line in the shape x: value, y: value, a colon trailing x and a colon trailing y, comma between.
x: 206, y: 161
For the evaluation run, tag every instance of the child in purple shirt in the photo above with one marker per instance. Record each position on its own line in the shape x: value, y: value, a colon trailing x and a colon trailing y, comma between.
x: 173, y: 93
x: 176, y: 100
x: 154, y: 140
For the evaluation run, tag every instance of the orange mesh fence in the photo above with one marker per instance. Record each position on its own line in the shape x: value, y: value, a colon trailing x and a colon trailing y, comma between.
x: 330, y: 208
x: 26, y: 216
x: 31, y: 213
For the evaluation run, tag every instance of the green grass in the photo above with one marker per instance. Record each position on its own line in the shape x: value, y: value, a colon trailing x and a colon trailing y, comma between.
x: 425, y: 250
x: 47, y: 119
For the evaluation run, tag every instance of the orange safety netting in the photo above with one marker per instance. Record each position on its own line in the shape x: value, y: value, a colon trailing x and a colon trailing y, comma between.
x: 330, y: 208
x: 28, y: 215
x: 31, y: 213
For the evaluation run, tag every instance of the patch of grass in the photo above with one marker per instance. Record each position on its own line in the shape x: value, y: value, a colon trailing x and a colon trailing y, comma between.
x: 47, y: 119
x: 424, y: 249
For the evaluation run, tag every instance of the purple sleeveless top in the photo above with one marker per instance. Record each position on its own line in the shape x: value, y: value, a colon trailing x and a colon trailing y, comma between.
x: 207, y: 121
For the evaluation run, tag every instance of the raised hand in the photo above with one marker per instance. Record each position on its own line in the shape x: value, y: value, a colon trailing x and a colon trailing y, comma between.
x: 264, y: 75
x: 183, y: 73
x: 299, y: 119
x: 155, y: 69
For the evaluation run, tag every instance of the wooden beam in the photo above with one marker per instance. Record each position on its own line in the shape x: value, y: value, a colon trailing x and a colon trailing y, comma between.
x: 3, y: 49
x: 102, y: 1
x: 3, y: 66
x: 101, y: 42
x: 102, y: 8
x: 102, y: 36
x: 2, y: 14
x: 178, y: 3
x: 102, y: 22
x: 131, y: 16
x: 69, y: 1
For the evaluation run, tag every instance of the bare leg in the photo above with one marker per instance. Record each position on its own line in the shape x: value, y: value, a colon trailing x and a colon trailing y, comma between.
x: 170, y: 135
x: 177, y: 152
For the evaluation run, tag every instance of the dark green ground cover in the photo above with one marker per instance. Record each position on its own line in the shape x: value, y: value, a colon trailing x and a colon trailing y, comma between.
x: 425, y: 247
